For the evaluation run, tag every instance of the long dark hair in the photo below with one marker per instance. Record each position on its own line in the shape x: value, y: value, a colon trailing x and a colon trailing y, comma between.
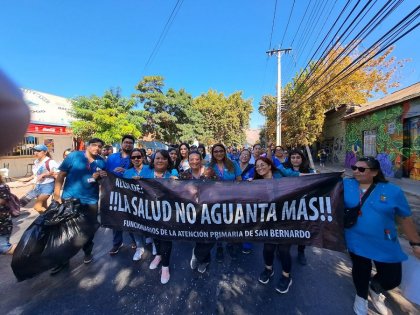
x: 267, y: 161
x: 166, y: 156
x: 131, y: 153
x: 204, y: 149
x: 178, y: 160
x: 303, y: 167
x: 374, y: 165
x: 179, y: 150
x: 226, y: 161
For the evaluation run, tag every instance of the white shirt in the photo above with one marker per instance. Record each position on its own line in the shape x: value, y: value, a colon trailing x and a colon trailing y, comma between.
x: 40, y: 168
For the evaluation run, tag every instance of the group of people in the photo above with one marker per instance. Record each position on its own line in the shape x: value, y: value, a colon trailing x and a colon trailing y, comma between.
x: 372, y: 239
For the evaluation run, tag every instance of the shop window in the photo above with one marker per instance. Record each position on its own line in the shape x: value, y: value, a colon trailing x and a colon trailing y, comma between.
x: 24, y: 148
x: 369, y: 143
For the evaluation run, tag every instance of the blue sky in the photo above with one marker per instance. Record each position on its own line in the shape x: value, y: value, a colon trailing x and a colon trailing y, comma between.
x: 72, y: 48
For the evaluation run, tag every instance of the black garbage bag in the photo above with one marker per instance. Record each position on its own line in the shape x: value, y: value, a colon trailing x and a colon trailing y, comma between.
x: 53, y: 238
x: 69, y: 230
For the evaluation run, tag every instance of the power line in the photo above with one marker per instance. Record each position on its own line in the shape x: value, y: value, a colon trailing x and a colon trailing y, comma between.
x: 391, y: 37
x: 165, y: 30
x: 351, y: 46
x: 272, y: 26
x: 285, y: 31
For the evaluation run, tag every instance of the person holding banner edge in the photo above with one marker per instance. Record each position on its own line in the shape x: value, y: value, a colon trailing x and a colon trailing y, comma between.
x: 117, y: 163
x: 161, y: 167
x: 77, y: 178
x: 265, y: 169
x: 225, y: 169
x: 136, y: 165
x: 374, y: 237
x: 200, y: 258
x: 299, y: 163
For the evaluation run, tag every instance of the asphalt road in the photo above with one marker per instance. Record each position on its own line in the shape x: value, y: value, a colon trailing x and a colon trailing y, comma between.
x: 117, y: 285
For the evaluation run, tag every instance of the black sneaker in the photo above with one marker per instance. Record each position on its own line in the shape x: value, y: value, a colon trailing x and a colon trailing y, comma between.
x: 58, y: 268
x: 284, y: 284
x: 302, y: 258
x: 266, y: 275
x: 115, y: 249
x: 202, y: 267
x: 219, y: 254
x: 88, y: 259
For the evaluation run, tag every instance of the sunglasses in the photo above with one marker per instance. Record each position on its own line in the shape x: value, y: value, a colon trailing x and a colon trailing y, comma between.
x: 359, y: 168
x: 136, y: 157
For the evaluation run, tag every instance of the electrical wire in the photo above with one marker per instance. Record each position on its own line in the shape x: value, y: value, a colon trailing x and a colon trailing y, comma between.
x: 287, y: 25
x: 164, y: 32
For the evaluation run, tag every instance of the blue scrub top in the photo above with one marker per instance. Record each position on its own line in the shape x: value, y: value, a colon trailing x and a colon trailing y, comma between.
x: 148, y: 172
x: 116, y: 160
x: 131, y: 172
x: 226, y: 174
x: 249, y: 172
x: 375, y: 235
x: 78, y: 183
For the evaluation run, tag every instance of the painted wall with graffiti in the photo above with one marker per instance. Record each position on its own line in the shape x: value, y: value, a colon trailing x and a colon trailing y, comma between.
x: 391, y: 135
x: 379, y: 134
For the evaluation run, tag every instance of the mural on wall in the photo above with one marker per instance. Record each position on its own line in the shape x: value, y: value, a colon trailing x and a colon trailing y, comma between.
x: 387, y: 124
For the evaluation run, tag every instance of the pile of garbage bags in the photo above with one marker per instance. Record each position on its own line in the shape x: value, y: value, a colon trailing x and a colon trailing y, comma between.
x: 53, y: 238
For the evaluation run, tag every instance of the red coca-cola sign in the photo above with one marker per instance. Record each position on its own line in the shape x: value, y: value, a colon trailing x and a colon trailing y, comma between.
x: 48, y: 129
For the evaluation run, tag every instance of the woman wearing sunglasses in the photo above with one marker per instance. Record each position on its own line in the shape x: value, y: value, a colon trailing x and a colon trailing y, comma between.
x: 136, y: 165
x: 161, y: 166
x: 374, y: 237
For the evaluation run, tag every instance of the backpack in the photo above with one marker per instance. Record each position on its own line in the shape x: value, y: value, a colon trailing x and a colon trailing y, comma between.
x: 47, y: 166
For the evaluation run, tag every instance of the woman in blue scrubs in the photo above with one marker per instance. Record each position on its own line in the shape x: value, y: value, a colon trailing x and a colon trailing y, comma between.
x: 374, y: 237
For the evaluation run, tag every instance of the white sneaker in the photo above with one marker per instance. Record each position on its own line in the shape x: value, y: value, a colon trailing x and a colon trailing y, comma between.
x: 137, y: 255
x: 378, y: 301
x: 154, y: 251
x: 360, y: 306
x: 165, y: 276
x: 155, y: 262
x: 193, y: 261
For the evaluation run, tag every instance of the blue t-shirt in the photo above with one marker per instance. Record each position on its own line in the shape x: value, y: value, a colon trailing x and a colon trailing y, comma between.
x: 226, y: 174
x: 148, y: 172
x: 78, y: 183
x: 116, y: 160
x: 375, y: 235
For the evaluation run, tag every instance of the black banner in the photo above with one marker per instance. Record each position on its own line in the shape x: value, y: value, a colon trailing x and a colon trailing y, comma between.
x: 298, y: 210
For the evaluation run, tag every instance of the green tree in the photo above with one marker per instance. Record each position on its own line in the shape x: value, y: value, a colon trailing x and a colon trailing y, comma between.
x: 170, y: 116
x: 225, y: 119
x: 107, y: 117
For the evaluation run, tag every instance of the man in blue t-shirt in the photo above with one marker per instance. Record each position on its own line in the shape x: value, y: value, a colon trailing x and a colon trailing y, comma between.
x: 78, y: 178
x: 117, y: 164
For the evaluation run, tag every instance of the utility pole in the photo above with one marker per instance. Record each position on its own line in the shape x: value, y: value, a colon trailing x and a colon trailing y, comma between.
x: 270, y: 53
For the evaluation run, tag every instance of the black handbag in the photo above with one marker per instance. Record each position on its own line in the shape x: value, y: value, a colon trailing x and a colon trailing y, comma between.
x: 352, y: 214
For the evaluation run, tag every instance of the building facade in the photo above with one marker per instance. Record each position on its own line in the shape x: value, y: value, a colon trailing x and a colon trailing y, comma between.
x: 387, y: 129
x: 49, y: 125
